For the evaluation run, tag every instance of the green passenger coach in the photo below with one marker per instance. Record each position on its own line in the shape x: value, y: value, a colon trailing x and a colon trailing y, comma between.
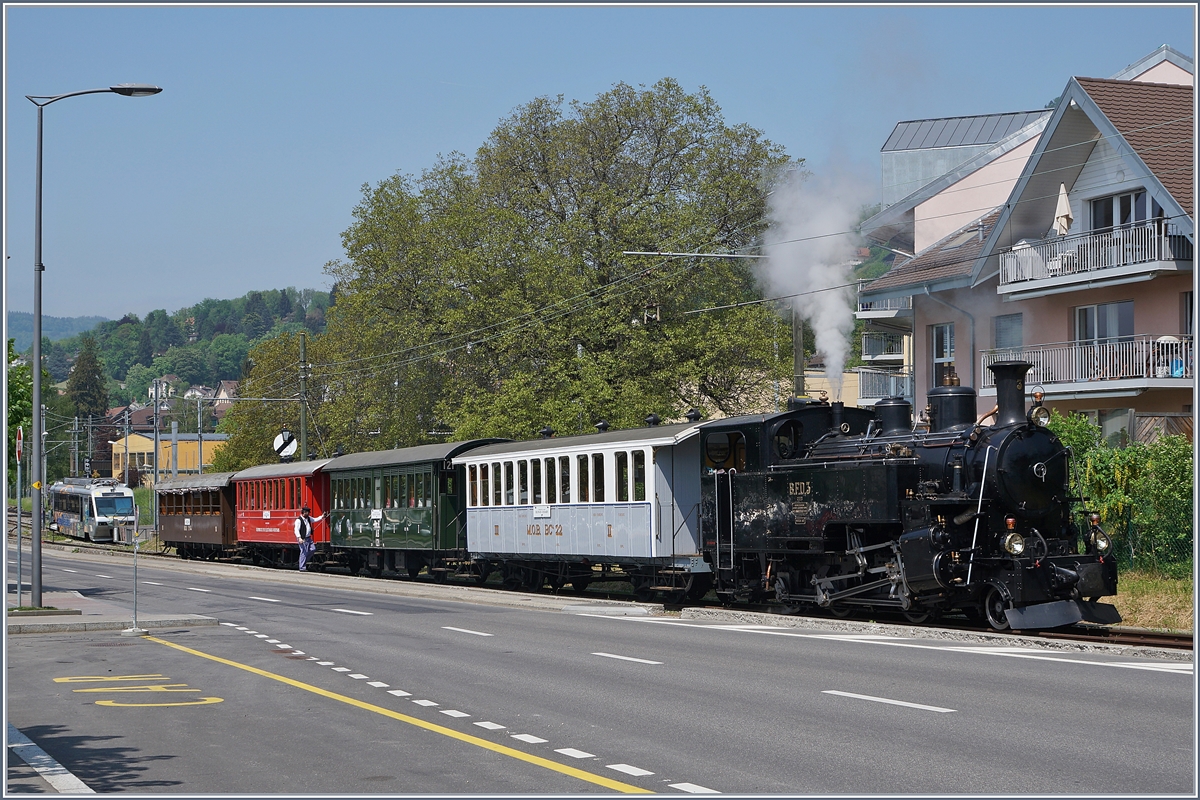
x: 400, y: 510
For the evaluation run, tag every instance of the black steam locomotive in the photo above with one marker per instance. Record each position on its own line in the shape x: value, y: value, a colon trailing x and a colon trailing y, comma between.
x: 852, y: 510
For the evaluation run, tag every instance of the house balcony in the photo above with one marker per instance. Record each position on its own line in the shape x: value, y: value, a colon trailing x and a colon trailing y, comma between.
x: 875, y: 384
x: 891, y: 308
x: 1124, y: 367
x: 1108, y: 257
x: 880, y: 347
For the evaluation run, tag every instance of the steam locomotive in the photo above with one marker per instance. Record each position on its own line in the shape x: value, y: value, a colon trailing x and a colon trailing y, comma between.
x: 847, y: 509
x: 844, y: 509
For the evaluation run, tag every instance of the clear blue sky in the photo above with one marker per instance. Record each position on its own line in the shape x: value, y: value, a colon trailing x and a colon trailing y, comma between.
x: 243, y: 173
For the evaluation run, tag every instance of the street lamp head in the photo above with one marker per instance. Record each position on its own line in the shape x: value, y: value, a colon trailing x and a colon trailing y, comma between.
x: 135, y: 89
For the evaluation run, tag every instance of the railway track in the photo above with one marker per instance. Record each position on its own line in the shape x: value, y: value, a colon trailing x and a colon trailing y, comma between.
x: 1135, y: 637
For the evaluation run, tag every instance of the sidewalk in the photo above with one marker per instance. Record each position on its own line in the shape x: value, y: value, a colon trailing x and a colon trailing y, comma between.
x: 92, y: 615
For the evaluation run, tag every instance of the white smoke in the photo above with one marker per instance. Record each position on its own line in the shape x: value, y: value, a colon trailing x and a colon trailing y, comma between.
x: 809, y: 250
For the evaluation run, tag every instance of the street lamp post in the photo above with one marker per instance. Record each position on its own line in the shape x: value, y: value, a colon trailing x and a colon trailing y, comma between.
x: 36, y: 468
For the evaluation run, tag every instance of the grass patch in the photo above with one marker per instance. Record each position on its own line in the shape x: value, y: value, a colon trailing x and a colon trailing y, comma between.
x: 1147, y: 600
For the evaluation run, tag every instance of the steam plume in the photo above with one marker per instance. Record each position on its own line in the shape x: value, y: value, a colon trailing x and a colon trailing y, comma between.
x: 802, y: 256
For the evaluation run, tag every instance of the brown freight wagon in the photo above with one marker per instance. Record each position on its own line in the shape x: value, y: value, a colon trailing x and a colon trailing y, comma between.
x: 196, y: 515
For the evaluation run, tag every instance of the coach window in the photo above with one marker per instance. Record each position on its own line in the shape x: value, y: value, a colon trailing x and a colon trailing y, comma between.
x: 639, y: 475
x: 582, y: 481
x: 598, y: 476
x: 564, y: 478
x: 522, y: 483
x: 472, y: 485
x: 551, y: 478
x: 497, y: 484
x: 508, y: 483
x: 622, y: 477
x: 535, y: 478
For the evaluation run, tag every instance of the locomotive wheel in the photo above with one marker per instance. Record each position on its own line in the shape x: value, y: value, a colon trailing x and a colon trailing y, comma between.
x: 918, y: 617
x: 580, y: 585
x: 413, y: 572
x: 441, y: 575
x: 994, y: 605
x: 481, y: 572
x: 841, y: 612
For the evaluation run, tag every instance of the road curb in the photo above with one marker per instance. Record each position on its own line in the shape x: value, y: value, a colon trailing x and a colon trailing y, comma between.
x: 85, y: 624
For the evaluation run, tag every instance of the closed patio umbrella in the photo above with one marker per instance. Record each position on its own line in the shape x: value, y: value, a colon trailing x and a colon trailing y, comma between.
x: 1062, y: 213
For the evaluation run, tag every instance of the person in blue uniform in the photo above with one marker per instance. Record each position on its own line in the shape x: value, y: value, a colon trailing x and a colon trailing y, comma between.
x: 304, y: 535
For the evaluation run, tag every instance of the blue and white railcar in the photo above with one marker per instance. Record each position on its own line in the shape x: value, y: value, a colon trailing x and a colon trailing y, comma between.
x: 614, y: 505
x: 94, y: 509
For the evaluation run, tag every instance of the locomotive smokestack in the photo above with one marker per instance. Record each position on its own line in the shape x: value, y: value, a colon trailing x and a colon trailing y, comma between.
x: 1010, y: 391
x: 837, y: 415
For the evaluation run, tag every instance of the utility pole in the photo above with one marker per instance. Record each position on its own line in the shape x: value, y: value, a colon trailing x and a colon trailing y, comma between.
x: 155, y: 484
x: 125, y: 477
x: 90, y: 454
x: 303, y: 399
x: 199, y: 439
x: 797, y: 351
x: 75, y: 448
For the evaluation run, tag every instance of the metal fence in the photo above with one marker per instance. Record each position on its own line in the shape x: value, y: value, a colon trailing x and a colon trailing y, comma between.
x: 1137, y: 356
x: 1121, y: 246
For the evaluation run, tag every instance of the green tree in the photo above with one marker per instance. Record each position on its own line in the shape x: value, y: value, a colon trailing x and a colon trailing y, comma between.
x: 164, y: 331
x: 284, y: 307
x: 87, y: 384
x: 225, y: 355
x: 145, y: 349
x: 20, y: 405
x: 137, y: 382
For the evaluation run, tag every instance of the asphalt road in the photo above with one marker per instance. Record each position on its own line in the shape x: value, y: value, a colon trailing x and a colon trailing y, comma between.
x: 312, y: 685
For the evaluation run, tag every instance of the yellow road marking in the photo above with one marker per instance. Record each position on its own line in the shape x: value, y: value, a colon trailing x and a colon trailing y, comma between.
x: 162, y: 687
x: 203, y: 701
x: 101, y: 678
x: 554, y: 766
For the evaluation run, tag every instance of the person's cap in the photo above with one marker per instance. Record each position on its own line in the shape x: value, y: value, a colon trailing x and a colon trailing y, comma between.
x: 305, y: 510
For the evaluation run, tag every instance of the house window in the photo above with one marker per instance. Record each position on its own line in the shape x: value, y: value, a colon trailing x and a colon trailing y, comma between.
x: 1119, y: 210
x: 1187, y: 312
x: 1115, y: 425
x: 942, y: 350
x: 1008, y: 332
x: 1105, y: 322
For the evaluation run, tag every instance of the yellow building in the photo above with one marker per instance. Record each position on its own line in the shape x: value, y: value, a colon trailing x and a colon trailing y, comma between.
x: 141, y: 454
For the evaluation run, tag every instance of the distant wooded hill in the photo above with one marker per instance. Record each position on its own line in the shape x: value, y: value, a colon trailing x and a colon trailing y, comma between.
x: 20, y: 327
x: 202, y: 344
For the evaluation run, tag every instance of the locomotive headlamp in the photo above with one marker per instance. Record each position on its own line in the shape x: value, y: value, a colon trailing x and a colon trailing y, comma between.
x: 1040, y: 416
x: 1010, y: 523
x: 1101, y: 541
x: 1094, y: 518
x: 1014, y: 543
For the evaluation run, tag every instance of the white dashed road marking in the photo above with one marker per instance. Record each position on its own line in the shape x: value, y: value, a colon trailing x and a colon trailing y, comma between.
x: 288, y: 647
x: 64, y: 569
x: 426, y: 703
x: 325, y: 663
x: 272, y: 641
x: 260, y: 635
x: 341, y: 669
x: 627, y: 658
x: 449, y: 712
x: 358, y: 676
x: 692, y: 788
x: 491, y: 726
x: 529, y: 737
x: 637, y: 772
x: 400, y: 693
x: 890, y: 702
x: 573, y: 753
x: 194, y: 589
x: 153, y: 583
x: 264, y: 599
x: 378, y: 684
x: 359, y: 613
x: 464, y: 630
x: 98, y: 575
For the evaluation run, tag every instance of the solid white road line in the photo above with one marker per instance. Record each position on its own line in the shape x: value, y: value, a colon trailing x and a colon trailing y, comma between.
x: 359, y: 613
x: 890, y: 702
x: 51, y: 771
x: 627, y: 658
x: 491, y: 726
x: 464, y: 630
x: 692, y: 788
x: 637, y: 772
x: 264, y: 599
x: 529, y: 737
x: 573, y: 753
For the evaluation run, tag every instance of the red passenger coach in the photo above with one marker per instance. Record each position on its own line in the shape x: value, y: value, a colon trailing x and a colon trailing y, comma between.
x: 269, y: 500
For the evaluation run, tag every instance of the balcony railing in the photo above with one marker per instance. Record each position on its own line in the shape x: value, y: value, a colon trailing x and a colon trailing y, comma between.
x: 1142, y: 243
x: 891, y: 304
x: 876, y: 384
x: 882, y: 345
x: 1128, y: 357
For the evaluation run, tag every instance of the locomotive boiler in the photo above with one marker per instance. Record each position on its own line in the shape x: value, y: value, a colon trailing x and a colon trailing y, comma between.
x: 851, y: 510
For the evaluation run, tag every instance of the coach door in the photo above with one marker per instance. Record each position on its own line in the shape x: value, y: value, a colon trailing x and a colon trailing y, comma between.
x: 725, y: 455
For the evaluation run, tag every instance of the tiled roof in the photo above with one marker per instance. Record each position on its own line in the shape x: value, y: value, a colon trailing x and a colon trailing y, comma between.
x: 952, y: 257
x: 1156, y: 119
x: 919, y: 134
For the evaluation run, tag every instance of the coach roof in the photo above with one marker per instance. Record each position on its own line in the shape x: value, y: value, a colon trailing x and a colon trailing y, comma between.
x: 281, y: 470
x: 191, y: 483
x: 656, y: 435
x: 406, y: 455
